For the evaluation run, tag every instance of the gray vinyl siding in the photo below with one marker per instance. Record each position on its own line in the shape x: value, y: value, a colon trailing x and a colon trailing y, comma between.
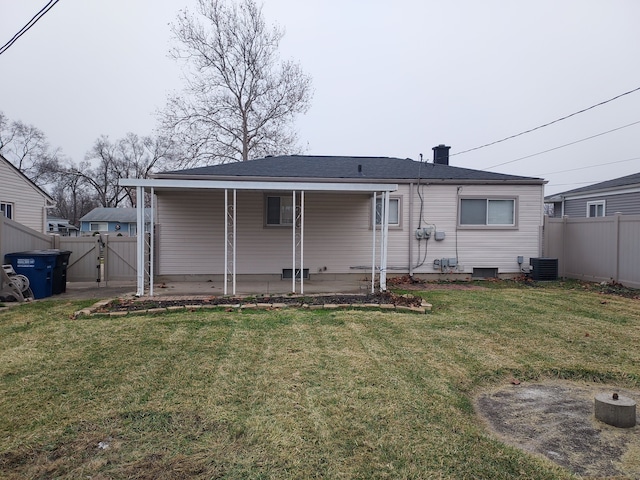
x: 338, y: 232
x: 28, y: 202
x: 626, y: 203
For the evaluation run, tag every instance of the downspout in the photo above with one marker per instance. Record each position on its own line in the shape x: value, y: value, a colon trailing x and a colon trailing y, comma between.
x: 151, y: 242
x: 411, y: 230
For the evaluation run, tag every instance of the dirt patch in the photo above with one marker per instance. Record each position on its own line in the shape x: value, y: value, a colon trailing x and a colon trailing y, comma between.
x: 556, y: 419
x: 407, y: 282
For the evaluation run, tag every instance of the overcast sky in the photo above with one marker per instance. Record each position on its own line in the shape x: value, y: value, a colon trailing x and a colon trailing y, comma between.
x: 390, y: 78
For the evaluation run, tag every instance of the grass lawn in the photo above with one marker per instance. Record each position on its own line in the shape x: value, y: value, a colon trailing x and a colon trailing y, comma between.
x: 292, y: 393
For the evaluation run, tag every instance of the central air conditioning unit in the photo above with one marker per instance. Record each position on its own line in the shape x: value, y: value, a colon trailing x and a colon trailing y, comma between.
x: 544, y: 269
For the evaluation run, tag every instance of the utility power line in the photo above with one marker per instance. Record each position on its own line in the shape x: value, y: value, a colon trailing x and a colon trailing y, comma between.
x: 546, y: 124
x: 29, y: 24
x: 562, y: 146
x: 588, y: 166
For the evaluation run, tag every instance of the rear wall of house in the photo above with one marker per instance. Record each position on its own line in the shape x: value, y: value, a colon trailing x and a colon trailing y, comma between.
x: 338, y: 233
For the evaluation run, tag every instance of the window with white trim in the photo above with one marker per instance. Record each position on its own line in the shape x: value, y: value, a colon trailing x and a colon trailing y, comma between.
x: 7, y: 209
x: 279, y: 210
x: 596, y: 209
x: 394, y: 211
x: 492, y: 212
x: 98, y: 226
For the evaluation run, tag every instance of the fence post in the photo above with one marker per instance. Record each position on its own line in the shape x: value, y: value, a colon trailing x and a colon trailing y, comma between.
x: 55, y: 241
x: 105, y: 259
x: 616, y: 246
x: 563, y: 240
x: 98, y: 257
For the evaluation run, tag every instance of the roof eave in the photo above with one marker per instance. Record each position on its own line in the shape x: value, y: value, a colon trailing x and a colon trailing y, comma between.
x: 454, y: 181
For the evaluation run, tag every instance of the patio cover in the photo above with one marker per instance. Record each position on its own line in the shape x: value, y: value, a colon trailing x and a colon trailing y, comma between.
x: 232, y: 186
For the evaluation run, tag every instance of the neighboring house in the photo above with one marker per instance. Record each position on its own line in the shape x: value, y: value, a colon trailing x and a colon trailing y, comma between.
x: 620, y: 195
x: 62, y: 227
x: 116, y: 221
x: 263, y: 216
x: 22, y: 200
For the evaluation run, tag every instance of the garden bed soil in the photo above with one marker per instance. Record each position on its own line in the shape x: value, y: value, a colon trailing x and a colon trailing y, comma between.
x: 135, y: 304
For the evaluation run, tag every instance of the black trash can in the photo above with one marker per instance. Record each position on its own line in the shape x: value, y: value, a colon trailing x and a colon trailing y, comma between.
x: 60, y: 271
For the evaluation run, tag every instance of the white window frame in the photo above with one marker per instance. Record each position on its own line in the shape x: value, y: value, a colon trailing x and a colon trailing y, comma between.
x: 487, y: 225
x: 7, y: 209
x: 99, y: 225
x: 597, y: 203
x: 289, y: 197
x: 393, y: 200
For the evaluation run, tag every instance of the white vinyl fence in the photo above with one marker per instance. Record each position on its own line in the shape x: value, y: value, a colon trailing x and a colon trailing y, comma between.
x: 601, y: 249
x: 100, y: 258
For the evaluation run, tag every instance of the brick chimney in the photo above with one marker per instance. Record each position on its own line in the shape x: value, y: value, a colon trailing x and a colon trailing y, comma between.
x: 441, y: 154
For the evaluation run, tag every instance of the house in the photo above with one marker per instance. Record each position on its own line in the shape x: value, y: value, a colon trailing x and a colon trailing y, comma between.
x: 620, y: 195
x: 22, y: 200
x: 115, y: 221
x: 61, y: 226
x: 313, y: 217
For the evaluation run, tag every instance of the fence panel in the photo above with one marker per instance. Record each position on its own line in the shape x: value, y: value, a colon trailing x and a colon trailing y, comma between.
x: 629, y: 248
x: 120, y: 258
x: 596, y: 249
x: 15, y: 237
x: 84, y: 261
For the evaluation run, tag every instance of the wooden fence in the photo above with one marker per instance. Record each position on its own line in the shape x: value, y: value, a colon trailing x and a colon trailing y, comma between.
x: 601, y: 249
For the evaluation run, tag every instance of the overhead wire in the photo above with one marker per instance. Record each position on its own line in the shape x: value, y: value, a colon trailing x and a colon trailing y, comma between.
x: 28, y: 25
x: 588, y: 166
x: 547, y: 124
x: 562, y: 146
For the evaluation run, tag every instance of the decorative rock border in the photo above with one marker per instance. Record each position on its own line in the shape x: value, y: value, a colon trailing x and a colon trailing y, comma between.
x: 93, y: 310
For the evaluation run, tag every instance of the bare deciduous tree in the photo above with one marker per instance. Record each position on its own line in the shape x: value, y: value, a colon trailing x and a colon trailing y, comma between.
x: 27, y: 148
x: 241, y: 99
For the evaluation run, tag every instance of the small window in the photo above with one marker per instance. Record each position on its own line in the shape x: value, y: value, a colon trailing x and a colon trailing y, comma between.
x: 7, y: 209
x: 394, y: 212
x: 98, y: 226
x: 279, y: 210
x: 488, y: 212
x: 596, y: 209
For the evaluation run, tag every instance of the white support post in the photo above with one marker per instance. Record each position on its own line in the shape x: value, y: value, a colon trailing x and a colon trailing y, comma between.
x: 373, y: 242
x: 226, y: 240
x: 151, y: 241
x: 235, y: 209
x: 302, y: 242
x: 140, y: 239
x: 293, y: 241
x: 385, y: 242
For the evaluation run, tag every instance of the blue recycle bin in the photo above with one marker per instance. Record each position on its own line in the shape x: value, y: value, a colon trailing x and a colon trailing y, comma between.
x: 37, y: 266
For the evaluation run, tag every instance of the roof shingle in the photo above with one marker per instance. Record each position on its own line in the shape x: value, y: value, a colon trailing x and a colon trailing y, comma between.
x: 337, y: 167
